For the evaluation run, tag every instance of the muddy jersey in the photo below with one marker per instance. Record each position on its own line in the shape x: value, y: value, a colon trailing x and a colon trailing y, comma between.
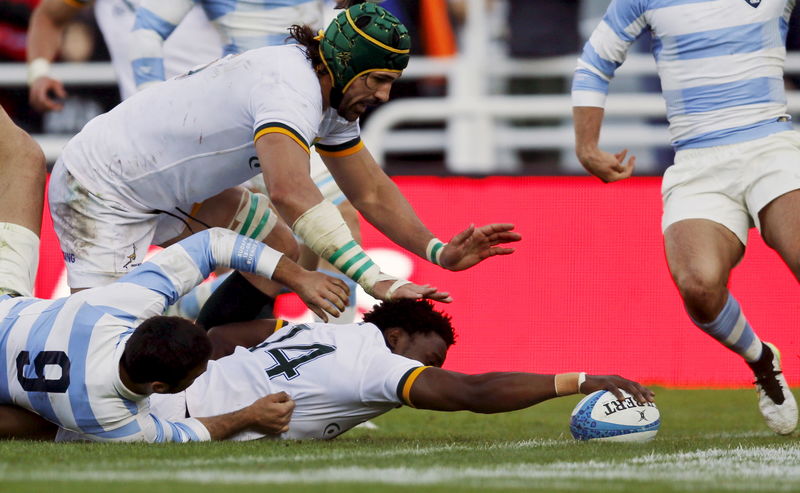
x: 338, y: 375
x: 193, y: 136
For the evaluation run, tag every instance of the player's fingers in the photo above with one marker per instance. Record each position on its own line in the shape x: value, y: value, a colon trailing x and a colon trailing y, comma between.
x: 462, y: 236
x: 615, y: 390
x: 440, y: 296
x: 319, y: 312
x: 279, y: 397
x: 58, y: 89
x: 621, y: 155
x: 342, y: 287
x: 496, y: 228
x: 505, y: 237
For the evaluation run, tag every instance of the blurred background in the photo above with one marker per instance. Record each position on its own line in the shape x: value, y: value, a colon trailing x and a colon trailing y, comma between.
x: 479, y: 130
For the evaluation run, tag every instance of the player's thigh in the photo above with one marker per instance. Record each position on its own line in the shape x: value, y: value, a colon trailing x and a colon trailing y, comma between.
x: 100, y: 241
x: 780, y: 228
x: 22, y: 176
x: 18, y: 423
x: 701, y: 253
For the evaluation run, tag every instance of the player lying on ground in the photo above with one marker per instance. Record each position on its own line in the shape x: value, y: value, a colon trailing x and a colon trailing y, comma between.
x: 343, y: 375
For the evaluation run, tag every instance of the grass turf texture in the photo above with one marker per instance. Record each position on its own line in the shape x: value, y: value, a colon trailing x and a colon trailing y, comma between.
x: 710, y: 440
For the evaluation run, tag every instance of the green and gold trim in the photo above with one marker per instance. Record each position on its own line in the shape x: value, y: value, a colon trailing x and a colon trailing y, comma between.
x: 340, y: 150
x: 405, y: 384
x: 280, y: 128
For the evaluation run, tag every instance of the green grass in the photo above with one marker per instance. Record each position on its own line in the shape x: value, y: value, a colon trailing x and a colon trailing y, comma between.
x: 710, y: 440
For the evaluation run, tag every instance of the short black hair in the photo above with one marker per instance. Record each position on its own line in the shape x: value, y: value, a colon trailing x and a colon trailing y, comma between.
x: 165, y: 349
x: 413, y: 316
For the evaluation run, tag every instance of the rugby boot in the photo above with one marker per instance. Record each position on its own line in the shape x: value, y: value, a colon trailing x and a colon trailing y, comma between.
x: 775, y: 399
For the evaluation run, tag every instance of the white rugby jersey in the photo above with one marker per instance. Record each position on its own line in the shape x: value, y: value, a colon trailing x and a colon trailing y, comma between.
x: 338, y: 375
x: 60, y: 358
x: 720, y: 63
x: 192, y: 137
x: 244, y: 25
x: 196, y: 41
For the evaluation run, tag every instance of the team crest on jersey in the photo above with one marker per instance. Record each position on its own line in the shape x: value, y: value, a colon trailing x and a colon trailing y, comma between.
x: 753, y: 3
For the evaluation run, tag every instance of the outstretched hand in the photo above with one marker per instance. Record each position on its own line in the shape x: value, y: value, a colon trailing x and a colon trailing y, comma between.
x: 321, y: 293
x: 473, y: 245
x: 409, y: 291
x: 615, y: 383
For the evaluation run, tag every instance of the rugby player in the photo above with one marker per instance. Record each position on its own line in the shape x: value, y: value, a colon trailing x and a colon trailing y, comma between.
x: 243, y: 26
x: 342, y: 375
x: 195, y: 42
x: 196, y: 135
x: 737, y: 163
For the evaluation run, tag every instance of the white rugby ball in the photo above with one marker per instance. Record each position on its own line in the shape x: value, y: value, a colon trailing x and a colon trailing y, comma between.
x: 600, y: 416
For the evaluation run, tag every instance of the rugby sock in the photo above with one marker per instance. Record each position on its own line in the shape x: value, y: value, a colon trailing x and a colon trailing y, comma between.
x: 235, y: 300
x: 733, y: 330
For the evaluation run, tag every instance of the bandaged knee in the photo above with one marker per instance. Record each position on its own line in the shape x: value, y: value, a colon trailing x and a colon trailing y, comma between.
x: 254, y: 218
x: 324, y: 231
x: 19, y: 259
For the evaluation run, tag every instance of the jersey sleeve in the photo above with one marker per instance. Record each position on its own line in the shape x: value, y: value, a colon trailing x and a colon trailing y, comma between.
x: 155, y: 21
x: 176, y: 270
x: 624, y: 21
x: 277, y: 108
x: 388, y: 378
x: 145, y: 428
x: 341, y: 138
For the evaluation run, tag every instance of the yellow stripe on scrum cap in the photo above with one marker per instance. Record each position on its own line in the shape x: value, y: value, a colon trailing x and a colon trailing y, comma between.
x: 368, y: 71
x: 370, y: 38
x: 410, y: 382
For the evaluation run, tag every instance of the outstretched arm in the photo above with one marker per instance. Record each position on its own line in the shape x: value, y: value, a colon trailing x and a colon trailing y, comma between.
x: 43, y: 42
x: 285, y: 163
x: 176, y: 270
x: 444, y: 390
x: 155, y: 21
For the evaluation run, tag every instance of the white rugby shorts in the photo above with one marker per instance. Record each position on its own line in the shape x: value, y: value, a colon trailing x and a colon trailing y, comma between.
x: 100, y: 240
x: 730, y: 184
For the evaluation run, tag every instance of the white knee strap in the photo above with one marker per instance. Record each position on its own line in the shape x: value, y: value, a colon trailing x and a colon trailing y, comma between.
x: 254, y: 218
x: 19, y: 259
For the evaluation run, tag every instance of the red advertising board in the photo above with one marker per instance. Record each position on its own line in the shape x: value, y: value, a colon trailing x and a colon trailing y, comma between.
x: 587, y: 289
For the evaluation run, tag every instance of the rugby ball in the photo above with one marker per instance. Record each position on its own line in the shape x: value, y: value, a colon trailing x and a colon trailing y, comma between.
x: 600, y: 416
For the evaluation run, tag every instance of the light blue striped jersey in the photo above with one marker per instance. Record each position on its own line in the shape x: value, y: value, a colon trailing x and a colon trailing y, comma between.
x: 60, y: 358
x: 244, y: 25
x: 720, y: 63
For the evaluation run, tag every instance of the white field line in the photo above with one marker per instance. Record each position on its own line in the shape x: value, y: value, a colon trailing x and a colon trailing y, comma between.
x: 742, y: 469
x: 320, y: 454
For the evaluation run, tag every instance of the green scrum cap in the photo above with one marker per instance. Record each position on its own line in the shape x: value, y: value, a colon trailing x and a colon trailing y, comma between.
x: 362, y: 39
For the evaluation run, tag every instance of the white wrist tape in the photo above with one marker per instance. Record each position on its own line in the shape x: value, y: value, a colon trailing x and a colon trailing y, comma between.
x: 567, y: 383
x: 324, y: 231
x: 581, y: 379
x: 397, y: 283
x: 19, y: 259
x: 433, y: 252
x: 246, y: 255
x: 38, y: 67
x: 254, y: 218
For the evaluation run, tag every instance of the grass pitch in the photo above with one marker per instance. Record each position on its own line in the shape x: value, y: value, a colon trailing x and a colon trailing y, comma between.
x: 710, y: 440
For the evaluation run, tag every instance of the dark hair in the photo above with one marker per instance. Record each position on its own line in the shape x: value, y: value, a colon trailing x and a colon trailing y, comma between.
x: 304, y: 36
x: 165, y: 349
x: 413, y: 316
x: 346, y: 4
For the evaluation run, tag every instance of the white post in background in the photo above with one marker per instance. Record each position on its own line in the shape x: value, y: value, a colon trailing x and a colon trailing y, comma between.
x: 470, y: 137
